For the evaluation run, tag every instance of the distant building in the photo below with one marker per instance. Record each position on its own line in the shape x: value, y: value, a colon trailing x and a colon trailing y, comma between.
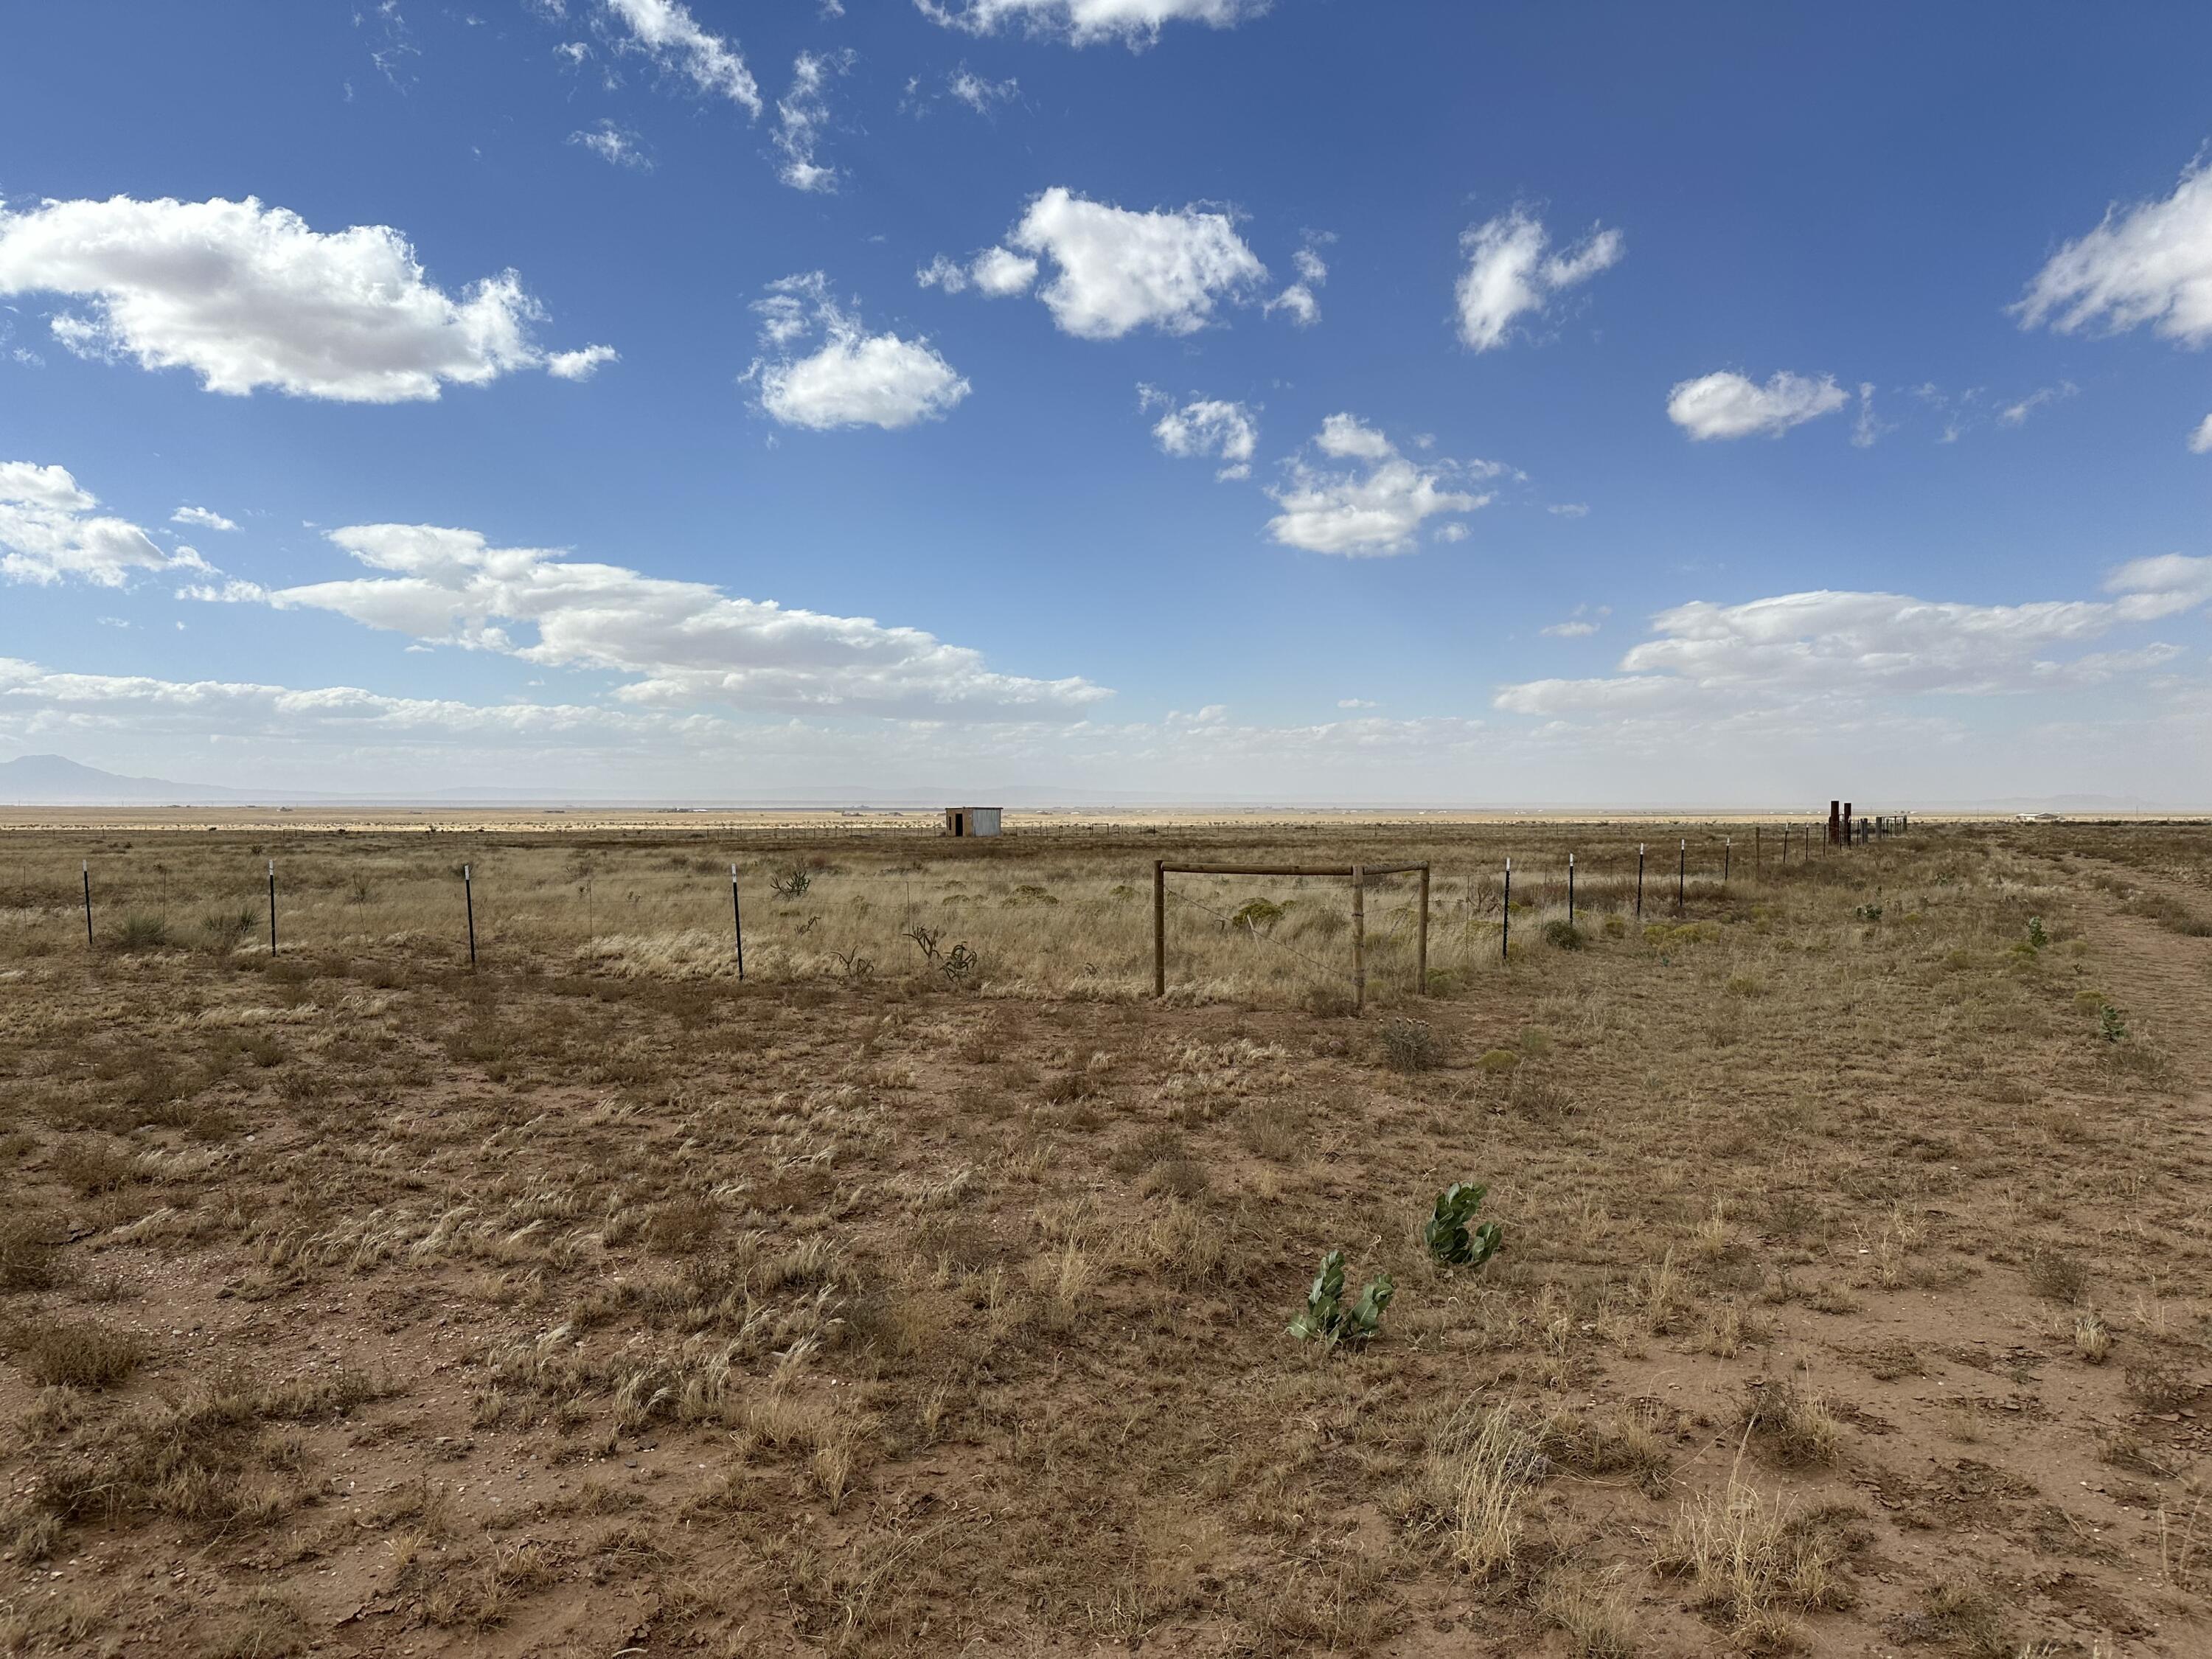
x: 971, y: 820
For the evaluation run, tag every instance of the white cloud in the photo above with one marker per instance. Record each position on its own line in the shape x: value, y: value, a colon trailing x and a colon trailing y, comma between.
x: 1116, y: 270
x: 667, y: 33
x: 579, y: 365
x: 618, y: 146
x: 1799, y: 648
x: 1376, y: 506
x: 1084, y: 23
x: 35, y: 699
x: 1729, y: 405
x: 2016, y: 414
x: 853, y: 377
x: 1357, y: 702
x: 676, y: 642
x: 801, y: 114
x: 49, y: 532
x: 1204, y: 426
x: 1585, y: 622
x: 1568, y: 510
x: 201, y: 517
x: 248, y: 296
x: 1298, y: 300
x: 996, y: 273
x: 2152, y: 264
x: 979, y: 94
x: 1509, y: 275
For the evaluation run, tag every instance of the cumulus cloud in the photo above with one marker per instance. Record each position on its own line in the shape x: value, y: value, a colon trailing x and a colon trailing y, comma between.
x: 249, y: 296
x: 1376, y: 505
x: 678, y: 642
x: 1115, y: 270
x: 1134, y: 23
x: 616, y: 145
x: 1229, y: 432
x: 1730, y: 405
x: 201, y: 517
x: 1509, y: 274
x: 50, y: 532
x: 1797, y: 647
x: 667, y: 31
x: 800, y: 115
x: 853, y: 378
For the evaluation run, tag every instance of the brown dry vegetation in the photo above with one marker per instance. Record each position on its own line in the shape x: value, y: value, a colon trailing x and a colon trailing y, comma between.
x: 1853, y: 1296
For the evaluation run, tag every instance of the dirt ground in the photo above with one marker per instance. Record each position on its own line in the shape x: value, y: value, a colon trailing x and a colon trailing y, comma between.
x: 1852, y: 1296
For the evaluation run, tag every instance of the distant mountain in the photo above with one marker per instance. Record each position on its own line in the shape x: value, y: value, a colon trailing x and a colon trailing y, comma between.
x: 56, y: 781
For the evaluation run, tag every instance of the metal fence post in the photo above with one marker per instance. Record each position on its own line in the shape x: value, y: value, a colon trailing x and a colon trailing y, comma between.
x: 1359, y: 939
x: 272, y: 907
x: 737, y: 923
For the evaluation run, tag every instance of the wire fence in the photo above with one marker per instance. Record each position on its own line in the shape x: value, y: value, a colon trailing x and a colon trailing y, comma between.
x: 1485, y: 908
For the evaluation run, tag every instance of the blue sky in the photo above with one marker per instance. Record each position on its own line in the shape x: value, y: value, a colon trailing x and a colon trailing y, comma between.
x: 1180, y: 398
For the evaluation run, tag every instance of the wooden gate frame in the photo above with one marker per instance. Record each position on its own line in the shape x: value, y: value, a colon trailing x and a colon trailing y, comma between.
x: 1358, y: 874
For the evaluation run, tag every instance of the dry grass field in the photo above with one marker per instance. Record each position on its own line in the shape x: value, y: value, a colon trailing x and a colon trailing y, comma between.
x: 928, y: 1292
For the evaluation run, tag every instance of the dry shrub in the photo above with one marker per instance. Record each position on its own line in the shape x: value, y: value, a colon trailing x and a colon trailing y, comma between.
x: 75, y: 1355
x: 1409, y: 1045
x: 27, y: 1252
x: 2055, y: 1272
x: 1476, y: 1466
x: 1793, y: 1424
x: 1589, y: 1609
x: 1627, y: 1442
x: 1752, y: 1560
x: 90, y: 1168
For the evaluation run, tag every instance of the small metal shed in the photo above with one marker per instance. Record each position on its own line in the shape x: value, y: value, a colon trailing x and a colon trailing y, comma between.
x: 971, y: 820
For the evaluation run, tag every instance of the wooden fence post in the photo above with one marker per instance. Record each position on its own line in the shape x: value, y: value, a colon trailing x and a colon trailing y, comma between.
x: 1159, y: 928
x: 1424, y: 946
x: 1359, y: 939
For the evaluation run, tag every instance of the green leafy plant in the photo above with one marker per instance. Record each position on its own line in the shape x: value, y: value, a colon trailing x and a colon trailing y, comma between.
x: 2036, y: 936
x: 2110, y: 1025
x: 1564, y: 935
x: 1447, y: 1234
x: 1325, y: 1317
x: 791, y: 884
